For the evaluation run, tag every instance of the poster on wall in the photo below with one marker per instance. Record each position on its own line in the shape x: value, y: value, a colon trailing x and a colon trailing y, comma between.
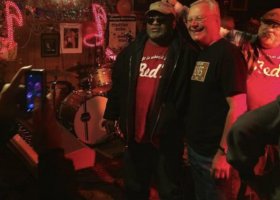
x: 122, y: 30
x: 71, y: 38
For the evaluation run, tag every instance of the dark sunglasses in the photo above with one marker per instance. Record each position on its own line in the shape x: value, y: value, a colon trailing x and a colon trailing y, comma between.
x: 159, y: 19
x: 270, y: 23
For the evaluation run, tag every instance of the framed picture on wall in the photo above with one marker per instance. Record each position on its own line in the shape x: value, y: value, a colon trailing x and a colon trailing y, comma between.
x: 50, y: 44
x: 238, y: 5
x: 70, y: 38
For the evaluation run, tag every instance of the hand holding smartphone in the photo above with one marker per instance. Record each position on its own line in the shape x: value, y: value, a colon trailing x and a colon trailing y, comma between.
x: 35, y: 88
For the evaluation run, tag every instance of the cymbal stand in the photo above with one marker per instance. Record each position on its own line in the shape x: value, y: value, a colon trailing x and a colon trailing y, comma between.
x: 53, y: 87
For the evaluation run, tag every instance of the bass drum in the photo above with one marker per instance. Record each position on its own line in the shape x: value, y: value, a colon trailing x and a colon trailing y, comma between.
x: 82, y: 113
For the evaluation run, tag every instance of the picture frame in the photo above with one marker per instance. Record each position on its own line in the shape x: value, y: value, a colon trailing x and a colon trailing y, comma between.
x: 239, y: 5
x: 118, y: 38
x: 50, y: 44
x: 70, y: 38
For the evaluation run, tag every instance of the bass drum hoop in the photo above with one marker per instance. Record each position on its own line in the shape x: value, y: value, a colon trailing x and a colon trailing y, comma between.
x: 72, y: 112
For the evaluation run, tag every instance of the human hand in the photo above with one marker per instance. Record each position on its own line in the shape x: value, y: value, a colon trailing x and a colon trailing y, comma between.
x: 109, y: 126
x: 112, y: 128
x: 178, y: 7
x: 11, y: 95
x: 220, y: 167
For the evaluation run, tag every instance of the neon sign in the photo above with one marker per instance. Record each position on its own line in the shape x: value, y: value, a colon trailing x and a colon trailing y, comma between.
x: 100, y: 20
x: 11, y: 18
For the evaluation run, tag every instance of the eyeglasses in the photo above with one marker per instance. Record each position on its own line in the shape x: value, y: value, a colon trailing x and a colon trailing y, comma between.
x: 270, y: 23
x: 197, y: 19
x: 159, y: 19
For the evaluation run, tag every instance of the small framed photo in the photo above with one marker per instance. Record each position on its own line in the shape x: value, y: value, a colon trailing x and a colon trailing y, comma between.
x: 50, y: 44
x: 71, y: 38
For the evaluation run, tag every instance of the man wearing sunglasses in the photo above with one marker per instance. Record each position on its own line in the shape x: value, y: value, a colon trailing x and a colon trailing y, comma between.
x: 144, y: 100
x: 262, y: 53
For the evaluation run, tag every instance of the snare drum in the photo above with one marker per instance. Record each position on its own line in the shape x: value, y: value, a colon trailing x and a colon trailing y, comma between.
x: 83, y: 113
x: 101, y: 79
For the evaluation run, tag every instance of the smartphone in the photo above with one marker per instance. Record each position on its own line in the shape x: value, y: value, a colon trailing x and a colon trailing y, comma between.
x: 35, y: 87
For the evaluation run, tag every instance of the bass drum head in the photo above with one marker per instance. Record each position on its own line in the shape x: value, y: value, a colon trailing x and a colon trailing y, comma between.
x: 88, y: 125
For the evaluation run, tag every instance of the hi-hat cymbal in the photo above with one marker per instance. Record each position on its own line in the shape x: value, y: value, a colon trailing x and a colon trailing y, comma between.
x: 78, y: 67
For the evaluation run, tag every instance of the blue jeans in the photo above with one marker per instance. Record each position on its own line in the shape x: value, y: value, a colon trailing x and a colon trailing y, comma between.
x: 206, y: 187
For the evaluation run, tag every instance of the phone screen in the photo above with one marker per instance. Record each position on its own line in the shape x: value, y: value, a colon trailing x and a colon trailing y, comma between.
x: 34, y: 87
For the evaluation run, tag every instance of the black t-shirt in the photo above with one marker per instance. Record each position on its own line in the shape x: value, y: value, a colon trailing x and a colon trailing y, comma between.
x: 220, y: 72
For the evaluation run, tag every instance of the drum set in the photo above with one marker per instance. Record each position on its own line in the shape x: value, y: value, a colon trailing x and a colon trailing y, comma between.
x: 81, y: 110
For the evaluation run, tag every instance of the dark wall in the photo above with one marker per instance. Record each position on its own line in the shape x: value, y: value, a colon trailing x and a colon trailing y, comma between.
x: 28, y: 37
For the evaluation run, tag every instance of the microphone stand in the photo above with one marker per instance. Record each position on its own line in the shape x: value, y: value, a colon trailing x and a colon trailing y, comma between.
x: 53, y: 87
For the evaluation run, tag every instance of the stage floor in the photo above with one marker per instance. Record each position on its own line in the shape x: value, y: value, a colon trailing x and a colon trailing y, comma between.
x: 101, y: 182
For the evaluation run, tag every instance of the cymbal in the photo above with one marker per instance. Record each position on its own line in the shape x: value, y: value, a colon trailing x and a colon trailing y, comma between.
x: 57, y: 72
x: 78, y: 67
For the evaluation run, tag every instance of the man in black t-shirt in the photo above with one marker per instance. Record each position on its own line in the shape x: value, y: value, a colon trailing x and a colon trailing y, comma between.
x: 217, y: 98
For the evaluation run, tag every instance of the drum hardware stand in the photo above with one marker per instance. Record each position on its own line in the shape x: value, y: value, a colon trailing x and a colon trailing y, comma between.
x: 53, y: 86
x: 85, y: 117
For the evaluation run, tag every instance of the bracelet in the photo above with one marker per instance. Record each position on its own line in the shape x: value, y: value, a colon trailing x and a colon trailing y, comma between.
x: 222, y: 149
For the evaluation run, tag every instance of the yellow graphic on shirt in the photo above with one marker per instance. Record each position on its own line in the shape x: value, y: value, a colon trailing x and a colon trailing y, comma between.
x: 200, y: 71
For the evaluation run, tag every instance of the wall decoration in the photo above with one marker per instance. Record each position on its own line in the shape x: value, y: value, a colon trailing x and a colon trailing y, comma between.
x: 50, y: 44
x: 122, y: 30
x: 13, y: 16
x: 70, y: 38
x: 124, y: 7
x: 100, y: 21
